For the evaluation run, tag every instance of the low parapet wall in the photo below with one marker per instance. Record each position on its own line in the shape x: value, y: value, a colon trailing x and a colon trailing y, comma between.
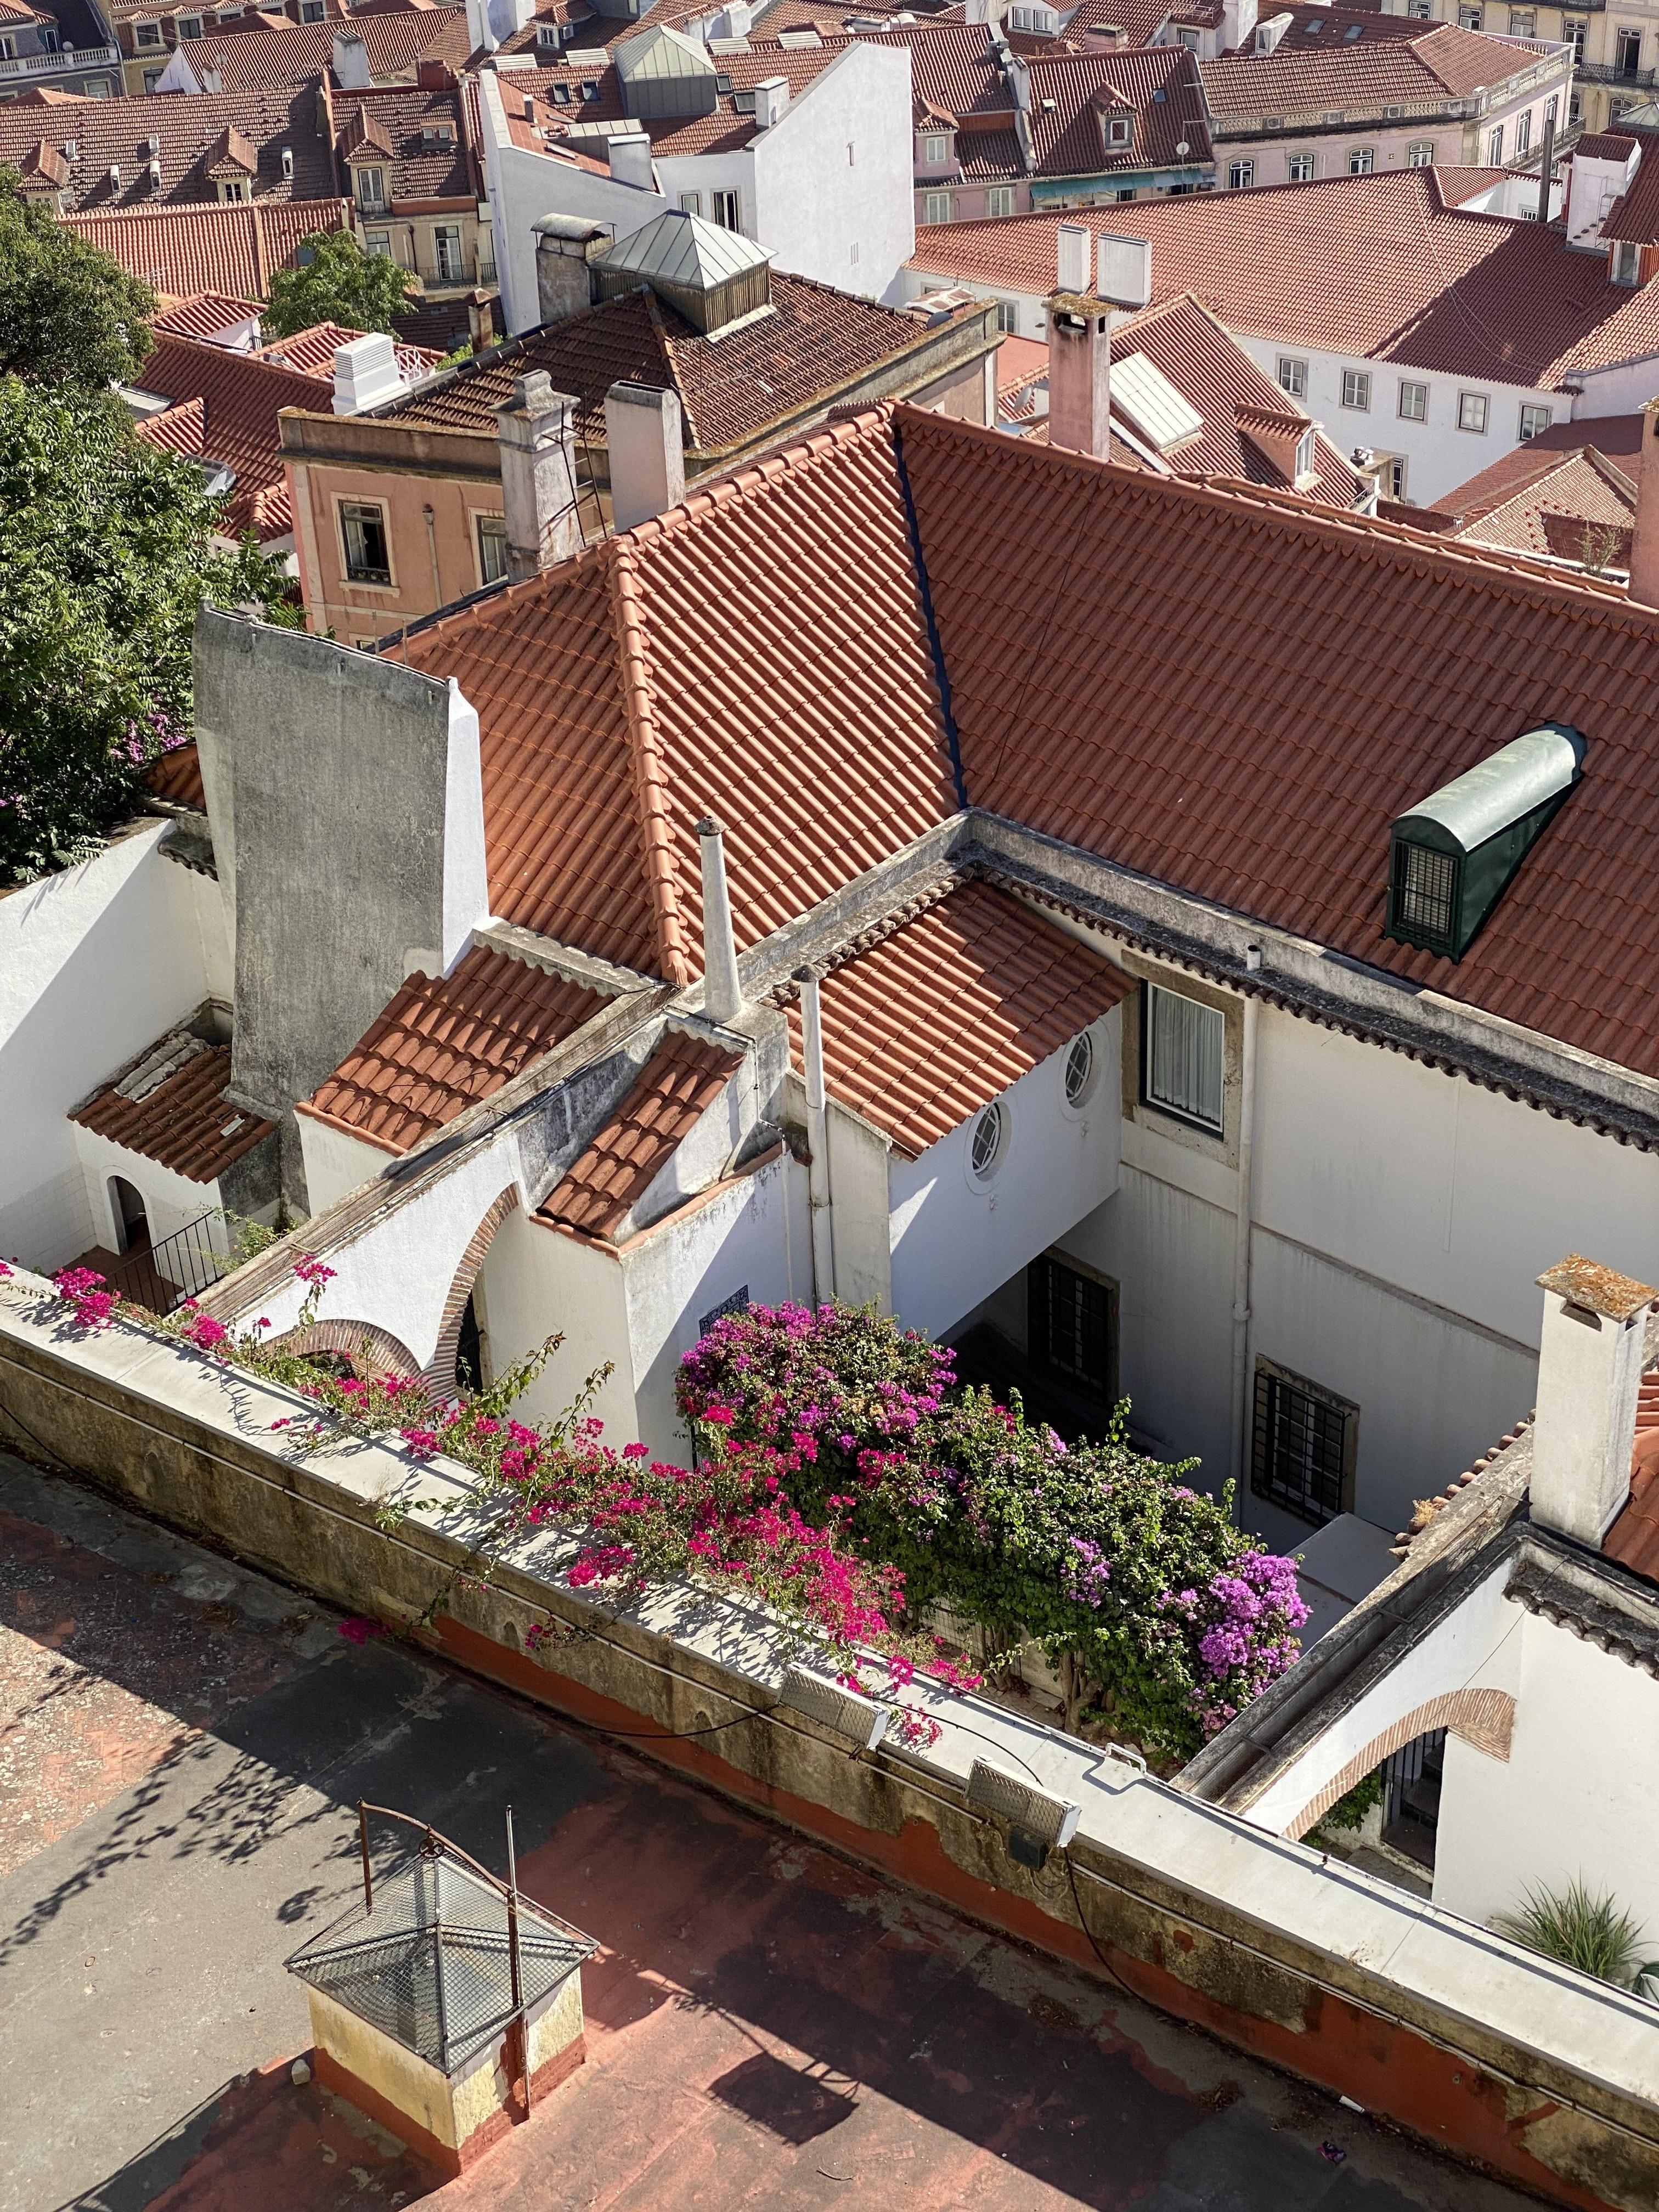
x: 1481, y: 2048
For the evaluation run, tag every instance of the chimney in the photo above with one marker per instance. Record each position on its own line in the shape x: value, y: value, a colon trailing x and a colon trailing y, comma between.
x: 645, y: 443
x: 722, y: 993
x: 480, y: 37
x: 1590, y: 1369
x: 979, y: 11
x: 737, y: 19
x: 565, y: 245
x: 1237, y: 24
x: 351, y: 71
x: 537, y: 435
x: 630, y: 159
x: 771, y: 97
x: 366, y: 374
x: 1643, y: 586
x: 1079, y: 352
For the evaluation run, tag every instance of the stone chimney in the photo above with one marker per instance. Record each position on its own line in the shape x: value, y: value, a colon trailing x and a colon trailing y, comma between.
x: 565, y: 246
x: 350, y: 63
x: 1237, y: 24
x: 771, y: 99
x: 646, y: 441
x: 480, y: 36
x: 630, y: 160
x: 366, y: 374
x: 1590, y: 1369
x: 1080, y: 332
x: 1645, y: 541
x: 538, y: 435
x: 722, y: 993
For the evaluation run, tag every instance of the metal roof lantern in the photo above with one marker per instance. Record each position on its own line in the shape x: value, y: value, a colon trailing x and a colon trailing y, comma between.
x: 1454, y: 854
x: 713, y: 276
x: 665, y: 73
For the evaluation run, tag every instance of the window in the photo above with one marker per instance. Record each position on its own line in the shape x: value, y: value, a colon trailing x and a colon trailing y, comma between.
x: 371, y: 187
x: 446, y: 252
x: 189, y: 27
x: 147, y: 34
x: 1523, y: 23
x: 935, y: 148
x: 1392, y: 478
x: 1000, y: 200
x: 590, y: 87
x: 1471, y: 411
x: 691, y: 203
x: 1532, y: 420
x: 1241, y: 175
x: 1552, y: 110
x: 1356, y: 390
x: 1626, y: 263
x: 362, y: 527
x: 1424, y: 893
x: 152, y: 78
x: 936, y: 207
x: 1305, y: 454
x: 1080, y: 1070
x: 1630, y: 52
x: 1419, y: 155
x: 1008, y: 319
x: 1495, y: 149
x: 1469, y: 17
x: 231, y: 189
x: 492, y: 547
x: 1420, y: 9
x: 311, y: 11
x: 378, y: 241
x: 1575, y: 40
x: 1413, y: 403
x: 1293, y: 376
x: 1120, y: 130
x: 1523, y: 133
x: 1300, y: 169
x: 1183, y: 1057
x: 1303, y: 1440
x: 1576, y: 108
x: 1072, y: 1326
x: 1362, y: 160
x: 727, y: 210
x: 988, y: 1142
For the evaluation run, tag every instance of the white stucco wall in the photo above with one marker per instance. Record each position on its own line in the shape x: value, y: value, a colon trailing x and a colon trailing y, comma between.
x: 171, y: 1201
x: 335, y: 1161
x: 538, y: 1282
x: 96, y: 964
x: 955, y: 1238
x: 1624, y: 388
x: 848, y: 219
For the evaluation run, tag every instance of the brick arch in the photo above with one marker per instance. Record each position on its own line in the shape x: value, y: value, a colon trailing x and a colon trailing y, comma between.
x: 1485, y: 1719
x: 440, y: 1367
x: 371, y: 1350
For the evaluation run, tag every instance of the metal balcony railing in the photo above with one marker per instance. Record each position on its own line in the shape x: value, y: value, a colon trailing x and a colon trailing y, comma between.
x: 162, y: 1276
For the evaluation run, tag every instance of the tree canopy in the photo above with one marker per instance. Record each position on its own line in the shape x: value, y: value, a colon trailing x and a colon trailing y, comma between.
x: 340, y: 283
x: 68, y: 313
x: 107, y: 549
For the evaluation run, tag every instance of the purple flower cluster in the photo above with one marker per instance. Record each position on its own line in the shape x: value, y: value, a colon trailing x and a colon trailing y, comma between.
x: 1084, y: 1576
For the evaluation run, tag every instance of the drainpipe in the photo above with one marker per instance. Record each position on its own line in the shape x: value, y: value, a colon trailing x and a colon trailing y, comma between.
x: 817, y: 1138
x: 1242, y: 1243
x: 722, y: 993
x: 432, y: 548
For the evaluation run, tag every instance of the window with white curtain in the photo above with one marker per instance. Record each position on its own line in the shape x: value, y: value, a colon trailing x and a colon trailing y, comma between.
x: 1185, y: 1057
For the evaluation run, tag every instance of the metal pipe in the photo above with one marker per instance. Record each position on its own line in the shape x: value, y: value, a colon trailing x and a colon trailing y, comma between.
x: 362, y: 1839
x: 432, y: 548
x: 521, y: 2035
x: 722, y: 993
x: 817, y: 1138
x: 1241, y: 1380
x: 1547, y: 170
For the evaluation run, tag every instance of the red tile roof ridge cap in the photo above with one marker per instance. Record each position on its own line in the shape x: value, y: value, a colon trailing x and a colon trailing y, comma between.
x: 756, y: 475
x: 351, y: 1128
x: 1527, y: 580
x: 650, y: 783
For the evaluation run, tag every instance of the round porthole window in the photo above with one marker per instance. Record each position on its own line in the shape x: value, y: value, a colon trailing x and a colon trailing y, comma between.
x: 1080, y: 1070
x: 986, y: 1145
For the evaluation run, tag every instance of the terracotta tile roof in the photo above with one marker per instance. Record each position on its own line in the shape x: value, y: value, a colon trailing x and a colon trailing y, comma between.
x: 1550, y: 502
x: 444, y: 1042
x: 1066, y: 140
x: 108, y: 133
x: 243, y: 396
x: 1634, y: 216
x: 726, y: 131
x: 421, y: 168
x: 203, y: 315
x: 619, y: 701
x: 934, y: 1022
x: 1304, y: 75
x: 235, y: 249
x: 181, y: 429
x: 273, y: 51
x: 178, y: 776
x: 184, y: 1122
x: 680, y: 1082
x: 1606, y: 145
x: 1137, y: 19
x: 1633, y: 1539
x: 310, y: 352
x: 731, y: 386
x: 1019, y: 362
x: 1380, y: 266
x: 953, y: 66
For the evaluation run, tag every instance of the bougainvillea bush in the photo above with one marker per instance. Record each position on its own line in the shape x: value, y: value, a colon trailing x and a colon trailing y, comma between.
x: 1097, y: 1553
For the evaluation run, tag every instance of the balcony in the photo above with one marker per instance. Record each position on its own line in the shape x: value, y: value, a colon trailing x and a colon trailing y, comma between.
x: 59, y: 64
x: 1608, y: 73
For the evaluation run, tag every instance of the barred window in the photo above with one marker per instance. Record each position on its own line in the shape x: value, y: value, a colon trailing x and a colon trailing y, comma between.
x: 1426, y: 890
x: 1302, y: 1446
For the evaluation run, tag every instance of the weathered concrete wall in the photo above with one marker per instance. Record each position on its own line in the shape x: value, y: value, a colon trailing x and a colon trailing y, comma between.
x: 1482, y: 2049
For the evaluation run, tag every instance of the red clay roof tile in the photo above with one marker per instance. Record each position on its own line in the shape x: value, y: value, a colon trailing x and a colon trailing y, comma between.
x: 243, y: 395
x: 677, y: 1086
x: 186, y: 1123
x: 235, y: 248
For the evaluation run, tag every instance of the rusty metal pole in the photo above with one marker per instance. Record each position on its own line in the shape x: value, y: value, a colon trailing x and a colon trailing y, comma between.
x: 514, y: 1965
x: 362, y: 1839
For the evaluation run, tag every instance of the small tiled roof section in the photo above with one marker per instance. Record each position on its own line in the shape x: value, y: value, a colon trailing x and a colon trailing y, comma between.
x: 192, y: 131
x: 760, y: 653
x: 273, y: 51
x: 178, y: 776
x: 726, y: 129
x: 243, y: 396
x: 204, y: 315
x: 814, y: 342
x: 445, y: 1041
x: 954, y: 68
x: 183, y: 1121
x: 405, y: 122
x: 1560, y: 503
x: 232, y: 248
x: 181, y: 429
x: 935, y: 1021
x: 1300, y: 76
x: 1634, y: 216
x: 310, y: 352
x: 1384, y: 266
x: 679, y: 1083
x: 1633, y: 1539
x: 1159, y: 84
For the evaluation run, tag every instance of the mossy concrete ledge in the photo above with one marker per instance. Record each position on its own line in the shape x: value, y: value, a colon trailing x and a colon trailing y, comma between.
x: 1484, y: 2049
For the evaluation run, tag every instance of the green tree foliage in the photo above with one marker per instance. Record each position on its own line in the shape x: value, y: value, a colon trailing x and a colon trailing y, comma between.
x: 68, y: 313
x: 340, y: 283
x: 106, y: 551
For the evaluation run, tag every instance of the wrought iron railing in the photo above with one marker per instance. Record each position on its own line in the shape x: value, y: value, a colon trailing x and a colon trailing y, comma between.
x: 162, y: 1276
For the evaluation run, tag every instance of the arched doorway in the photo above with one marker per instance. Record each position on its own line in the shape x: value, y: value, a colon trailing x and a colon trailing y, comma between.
x: 1411, y: 1796
x: 131, y: 1222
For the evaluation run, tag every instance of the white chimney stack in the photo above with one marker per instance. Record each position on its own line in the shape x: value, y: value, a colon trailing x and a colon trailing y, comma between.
x: 1072, y: 258
x: 481, y: 37
x: 722, y: 993
x: 1123, y: 271
x: 630, y: 160
x: 771, y: 97
x: 366, y: 374
x: 1589, y: 1370
x: 645, y: 440
x: 537, y: 437
x: 351, y: 70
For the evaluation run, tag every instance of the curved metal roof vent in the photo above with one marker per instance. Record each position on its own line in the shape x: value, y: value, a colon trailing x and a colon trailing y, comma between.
x: 1454, y: 854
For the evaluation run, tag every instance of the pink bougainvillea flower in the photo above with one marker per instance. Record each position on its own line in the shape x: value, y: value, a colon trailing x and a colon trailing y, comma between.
x: 356, y: 1629
x: 310, y: 1269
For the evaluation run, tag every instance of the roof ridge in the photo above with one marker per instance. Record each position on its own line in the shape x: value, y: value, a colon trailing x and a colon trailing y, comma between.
x: 755, y: 477
x: 646, y: 762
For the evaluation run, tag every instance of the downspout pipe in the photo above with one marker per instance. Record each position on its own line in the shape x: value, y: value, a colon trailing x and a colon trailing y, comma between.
x: 817, y: 1138
x: 722, y: 993
x: 1241, y: 1380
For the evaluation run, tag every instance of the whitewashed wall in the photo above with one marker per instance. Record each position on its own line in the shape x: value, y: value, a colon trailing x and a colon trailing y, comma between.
x: 850, y: 222
x: 335, y: 1161
x: 96, y: 964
